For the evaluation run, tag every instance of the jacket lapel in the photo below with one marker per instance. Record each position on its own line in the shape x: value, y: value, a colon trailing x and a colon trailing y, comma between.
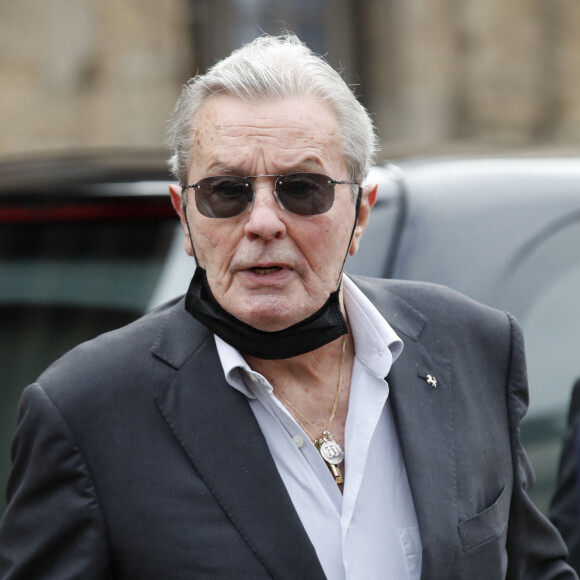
x: 421, y: 400
x: 217, y: 429
x: 423, y: 416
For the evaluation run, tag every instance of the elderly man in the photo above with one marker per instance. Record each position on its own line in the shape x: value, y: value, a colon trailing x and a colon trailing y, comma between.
x: 271, y: 424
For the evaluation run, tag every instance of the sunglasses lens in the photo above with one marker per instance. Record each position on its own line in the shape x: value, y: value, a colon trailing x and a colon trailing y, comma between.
x: 305, y: 193
x: 223, y: 196
x: 226, y: 196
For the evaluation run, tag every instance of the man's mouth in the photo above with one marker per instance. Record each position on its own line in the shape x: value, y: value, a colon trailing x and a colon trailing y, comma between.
x: 268, y: 270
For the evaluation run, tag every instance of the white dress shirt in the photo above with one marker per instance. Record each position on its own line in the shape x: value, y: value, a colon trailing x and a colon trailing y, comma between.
x: 370, y: 530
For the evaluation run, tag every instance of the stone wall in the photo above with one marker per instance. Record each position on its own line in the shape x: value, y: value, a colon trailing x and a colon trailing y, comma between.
x: 499, y: 73
x: 89, y: 73
x: 435, y: 73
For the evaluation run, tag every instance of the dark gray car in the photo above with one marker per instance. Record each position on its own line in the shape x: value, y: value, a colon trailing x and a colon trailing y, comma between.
x: 88, y: 243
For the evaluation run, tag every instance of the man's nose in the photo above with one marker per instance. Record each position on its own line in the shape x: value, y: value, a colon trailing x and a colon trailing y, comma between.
x: 265, y: 215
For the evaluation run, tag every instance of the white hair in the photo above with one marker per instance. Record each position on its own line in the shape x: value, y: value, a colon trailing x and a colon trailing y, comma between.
x: 274, y: 67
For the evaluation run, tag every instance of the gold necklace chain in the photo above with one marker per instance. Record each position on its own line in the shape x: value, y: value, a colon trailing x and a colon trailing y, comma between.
x: 330, y: 450
x: 334, y: 406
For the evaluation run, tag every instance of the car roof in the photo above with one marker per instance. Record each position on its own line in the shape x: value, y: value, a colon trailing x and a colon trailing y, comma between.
x: 66, y: 171
x: 87, y: 185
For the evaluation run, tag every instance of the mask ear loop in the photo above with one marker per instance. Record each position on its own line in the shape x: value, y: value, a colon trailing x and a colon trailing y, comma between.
x: 184, y: 191
x: 357, y: 211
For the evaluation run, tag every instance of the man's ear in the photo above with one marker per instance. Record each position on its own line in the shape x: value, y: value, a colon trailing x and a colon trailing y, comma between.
x: 369, y: 197
x: 178, y: 205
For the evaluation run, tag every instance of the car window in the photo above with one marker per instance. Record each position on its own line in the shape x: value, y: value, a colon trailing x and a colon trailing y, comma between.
x: 543, y: 289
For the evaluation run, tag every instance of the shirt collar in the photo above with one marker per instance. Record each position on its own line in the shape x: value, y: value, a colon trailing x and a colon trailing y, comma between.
x: 235, y: 367
x: 377, y: 345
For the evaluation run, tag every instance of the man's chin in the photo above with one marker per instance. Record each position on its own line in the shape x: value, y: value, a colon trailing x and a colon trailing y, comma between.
x: 270, y: 319
x: 272, y: 313
x: 267, y: 323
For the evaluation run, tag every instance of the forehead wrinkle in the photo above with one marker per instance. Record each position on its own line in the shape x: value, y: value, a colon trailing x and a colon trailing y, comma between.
x: 218, y: 112
x: 239, y: 144
x: 304, y: 149
x: 270, y: 131
x: 308, y: 147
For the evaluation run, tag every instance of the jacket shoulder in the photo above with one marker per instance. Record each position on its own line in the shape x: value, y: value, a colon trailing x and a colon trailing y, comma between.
x: 132, y: 357
x: 422, y: 310
x: 427, y: 297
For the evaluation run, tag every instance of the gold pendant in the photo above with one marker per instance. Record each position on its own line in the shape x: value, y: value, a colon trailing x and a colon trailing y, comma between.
x: 332, y: 454
x: 335, y: 470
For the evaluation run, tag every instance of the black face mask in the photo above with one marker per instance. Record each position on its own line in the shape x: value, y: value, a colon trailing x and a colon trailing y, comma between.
x: 322, y: 327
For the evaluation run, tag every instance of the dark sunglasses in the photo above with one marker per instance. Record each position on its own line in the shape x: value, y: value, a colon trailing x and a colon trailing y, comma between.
x: 225, y: 196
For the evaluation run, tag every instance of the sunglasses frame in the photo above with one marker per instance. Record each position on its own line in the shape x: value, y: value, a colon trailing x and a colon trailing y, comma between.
x: 278, y: 177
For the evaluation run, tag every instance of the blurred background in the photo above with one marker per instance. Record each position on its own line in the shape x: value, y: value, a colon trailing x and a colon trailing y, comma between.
x: 88, y: 238
x: 437, y: 75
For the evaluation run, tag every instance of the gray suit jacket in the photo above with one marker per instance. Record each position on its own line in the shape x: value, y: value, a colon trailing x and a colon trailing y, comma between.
x: 134, y: 459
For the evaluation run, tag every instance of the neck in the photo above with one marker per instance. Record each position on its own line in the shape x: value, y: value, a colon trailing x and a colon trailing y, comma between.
x: 308, y: 370
x: 309, y: 383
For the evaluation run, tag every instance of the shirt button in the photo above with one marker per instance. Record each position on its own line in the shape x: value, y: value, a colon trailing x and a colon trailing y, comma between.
x: 254, y: 378
x: 298, y: 441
